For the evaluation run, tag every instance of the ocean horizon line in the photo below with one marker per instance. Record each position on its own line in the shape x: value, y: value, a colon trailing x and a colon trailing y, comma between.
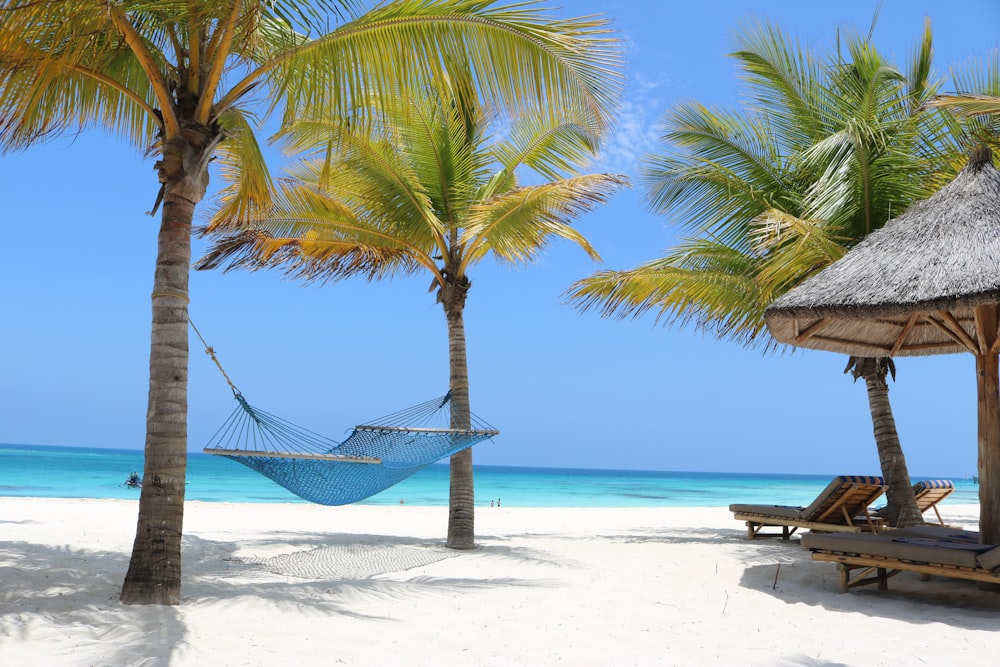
x: 541, y: 468
x: 60, y: 471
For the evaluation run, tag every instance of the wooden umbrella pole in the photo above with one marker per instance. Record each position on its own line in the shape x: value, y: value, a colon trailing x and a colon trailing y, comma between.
x: 989, y: 448
x: 988, y: 391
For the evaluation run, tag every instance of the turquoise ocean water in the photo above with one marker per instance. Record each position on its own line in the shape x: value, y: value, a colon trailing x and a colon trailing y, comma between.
x: 79, y: 472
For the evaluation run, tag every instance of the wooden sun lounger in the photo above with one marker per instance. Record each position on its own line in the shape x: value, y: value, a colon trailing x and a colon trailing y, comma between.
x: 928, y: 494
x: 873, y: 559
x: 841, y: 507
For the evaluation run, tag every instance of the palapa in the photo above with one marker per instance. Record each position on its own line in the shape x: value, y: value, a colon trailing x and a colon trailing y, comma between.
x: 928, y: 282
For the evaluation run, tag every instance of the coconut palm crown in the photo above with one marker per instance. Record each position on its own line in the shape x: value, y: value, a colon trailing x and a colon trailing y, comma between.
x: 425, y: 188
x: 824, y: 151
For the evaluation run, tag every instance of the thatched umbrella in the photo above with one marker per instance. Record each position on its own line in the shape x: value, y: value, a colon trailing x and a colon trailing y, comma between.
x: 928, y: 282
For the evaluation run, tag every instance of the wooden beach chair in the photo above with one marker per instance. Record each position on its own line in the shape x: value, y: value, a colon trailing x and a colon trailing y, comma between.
x: 928, y: 493
x: 927, y: 550
x: 841, y: 507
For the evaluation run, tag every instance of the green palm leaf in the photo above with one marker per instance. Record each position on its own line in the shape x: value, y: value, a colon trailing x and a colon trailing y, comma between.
x: 823, y: 151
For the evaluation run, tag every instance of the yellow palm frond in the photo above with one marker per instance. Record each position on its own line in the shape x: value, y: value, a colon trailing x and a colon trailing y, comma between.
x: 700, y: 282
x: 968, y: 105
x: 516, y: 225
x: 792, y: 249
x: 247, y: 193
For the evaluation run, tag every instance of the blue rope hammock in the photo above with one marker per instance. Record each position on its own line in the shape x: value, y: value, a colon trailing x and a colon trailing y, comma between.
x: 374, y: 456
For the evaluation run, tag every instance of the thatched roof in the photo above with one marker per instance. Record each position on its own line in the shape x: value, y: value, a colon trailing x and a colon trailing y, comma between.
x: 909, y: 288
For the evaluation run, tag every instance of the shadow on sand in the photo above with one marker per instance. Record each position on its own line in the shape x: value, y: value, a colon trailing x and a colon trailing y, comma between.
x: 71, y: 595
x: 786, y: 571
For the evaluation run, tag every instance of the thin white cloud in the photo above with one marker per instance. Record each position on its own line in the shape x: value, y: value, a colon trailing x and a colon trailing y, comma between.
x: 637, y: 129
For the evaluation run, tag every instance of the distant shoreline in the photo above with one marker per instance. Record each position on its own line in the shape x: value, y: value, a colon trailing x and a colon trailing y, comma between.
x: 81, y: 472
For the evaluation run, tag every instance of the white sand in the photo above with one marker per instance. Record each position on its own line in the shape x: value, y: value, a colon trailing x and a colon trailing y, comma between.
x: 364, y: 585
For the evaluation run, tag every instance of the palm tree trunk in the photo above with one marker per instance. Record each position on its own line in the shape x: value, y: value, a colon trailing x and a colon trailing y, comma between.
x: 154, y: 573
x: 902, y: 504
x: 461, y: 498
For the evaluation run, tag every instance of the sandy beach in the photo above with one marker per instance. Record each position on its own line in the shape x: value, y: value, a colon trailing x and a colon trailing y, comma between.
x: 366, y: 585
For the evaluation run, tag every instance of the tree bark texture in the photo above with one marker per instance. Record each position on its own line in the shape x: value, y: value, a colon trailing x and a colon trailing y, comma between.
x: 461, y: 498
x: 154, y: 573
x: 902, y: 504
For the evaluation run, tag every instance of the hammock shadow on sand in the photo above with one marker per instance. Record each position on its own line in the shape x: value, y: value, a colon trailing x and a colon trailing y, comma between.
x: 70, y: 595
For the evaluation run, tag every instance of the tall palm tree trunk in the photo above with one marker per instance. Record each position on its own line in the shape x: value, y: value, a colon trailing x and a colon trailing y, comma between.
x: 154, y: 573
x: 902, y: 504
x: 461, y: 498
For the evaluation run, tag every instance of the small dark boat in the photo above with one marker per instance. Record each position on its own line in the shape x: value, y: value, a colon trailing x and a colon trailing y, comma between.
x: 134, y: 481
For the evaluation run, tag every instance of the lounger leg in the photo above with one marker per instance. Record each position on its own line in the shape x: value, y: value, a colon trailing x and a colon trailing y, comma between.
x: 785, y: 534
x: 940, y: 520
x: 845, y: 577
x: 883, y: 580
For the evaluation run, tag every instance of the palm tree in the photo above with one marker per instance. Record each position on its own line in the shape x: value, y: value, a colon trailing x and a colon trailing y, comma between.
x: 978, y: 98
x: 186, y: 80
x: 424, y: 189
x: 825, y: 152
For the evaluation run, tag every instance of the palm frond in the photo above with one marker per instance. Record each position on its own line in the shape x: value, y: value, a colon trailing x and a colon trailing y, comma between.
x: 792, y: 249
x: 522, y: 57
x: 782, y: 83
x: 919, y: 83
x: 311, y: 237
x: 515, y: 226
x: 970, y: 105
x: 309, y: 258
x: 63, y: 66
x: 553, y: 150
x: 247, y: 193
x: 721, y: 173
x: 702, y: 283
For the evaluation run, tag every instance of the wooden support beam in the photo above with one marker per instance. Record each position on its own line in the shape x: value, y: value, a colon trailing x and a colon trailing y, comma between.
x: 811, y: 330
x: 907, y: 328
x: 988, y: 391
x: 958, y: 334
x: 986, y: 328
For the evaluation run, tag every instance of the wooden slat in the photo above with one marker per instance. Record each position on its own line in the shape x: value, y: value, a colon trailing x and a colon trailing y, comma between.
x: 369, y: 427
x: 766, y: 520
x: 893, y: 564
x: 291, y: 455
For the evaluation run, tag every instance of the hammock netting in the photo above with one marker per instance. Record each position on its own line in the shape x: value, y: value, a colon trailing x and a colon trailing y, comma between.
x: 373, y: 457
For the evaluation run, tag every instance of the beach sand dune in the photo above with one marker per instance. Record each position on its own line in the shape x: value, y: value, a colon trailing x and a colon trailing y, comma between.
x: 369, y: 585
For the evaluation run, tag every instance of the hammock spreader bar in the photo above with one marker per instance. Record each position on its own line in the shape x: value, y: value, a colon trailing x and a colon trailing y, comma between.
x: 375, y: 455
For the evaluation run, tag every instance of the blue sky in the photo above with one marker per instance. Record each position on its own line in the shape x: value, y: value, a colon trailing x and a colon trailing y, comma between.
x: 565, y: 389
